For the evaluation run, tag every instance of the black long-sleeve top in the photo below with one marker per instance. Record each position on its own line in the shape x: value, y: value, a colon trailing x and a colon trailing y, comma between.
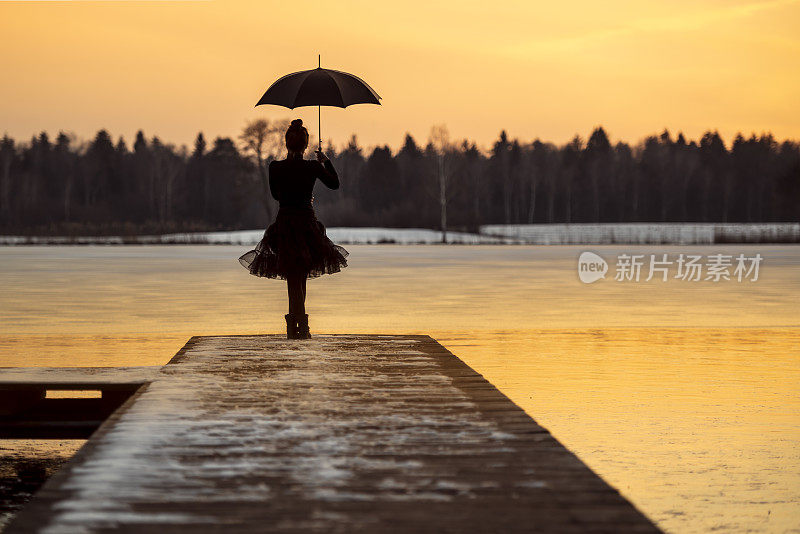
x: 291, y: 181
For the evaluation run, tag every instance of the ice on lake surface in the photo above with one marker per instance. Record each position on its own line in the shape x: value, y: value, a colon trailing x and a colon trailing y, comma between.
x: 684, y: 395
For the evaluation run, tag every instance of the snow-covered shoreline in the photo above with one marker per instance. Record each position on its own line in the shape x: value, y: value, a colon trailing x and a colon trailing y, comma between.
x: 345, y: 236
x: 647, y: 233
x: 528, y: 234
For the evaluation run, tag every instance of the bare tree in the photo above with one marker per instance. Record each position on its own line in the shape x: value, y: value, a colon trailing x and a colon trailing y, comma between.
x: 440, y: 141
x: 262, y: 140
x: 168, y: 163
x: 65, y: 155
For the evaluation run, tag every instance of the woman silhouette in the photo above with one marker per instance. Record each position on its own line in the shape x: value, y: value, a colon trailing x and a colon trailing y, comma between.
x: 295, y: 247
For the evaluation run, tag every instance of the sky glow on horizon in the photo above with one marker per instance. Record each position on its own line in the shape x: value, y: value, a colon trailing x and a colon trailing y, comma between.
x: 536, y: 69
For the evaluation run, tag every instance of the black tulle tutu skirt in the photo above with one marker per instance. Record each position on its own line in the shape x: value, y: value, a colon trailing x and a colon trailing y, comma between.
x: 295, y: 244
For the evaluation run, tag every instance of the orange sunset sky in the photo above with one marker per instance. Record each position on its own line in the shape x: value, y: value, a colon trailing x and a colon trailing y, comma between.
x: 537, y: 69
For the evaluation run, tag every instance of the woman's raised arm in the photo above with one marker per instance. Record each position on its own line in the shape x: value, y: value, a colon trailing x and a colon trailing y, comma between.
x: 326, y: 173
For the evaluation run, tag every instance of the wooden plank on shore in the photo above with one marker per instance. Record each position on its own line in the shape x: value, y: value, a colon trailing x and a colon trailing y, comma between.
x: 27, y: 413
x: 76, y: 377
x: 346, y: 433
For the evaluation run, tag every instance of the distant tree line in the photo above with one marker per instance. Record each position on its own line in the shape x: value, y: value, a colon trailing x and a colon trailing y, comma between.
x: 103, y: 186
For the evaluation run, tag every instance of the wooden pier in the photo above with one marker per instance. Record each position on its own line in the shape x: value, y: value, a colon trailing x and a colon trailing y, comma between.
x: 345, y: 433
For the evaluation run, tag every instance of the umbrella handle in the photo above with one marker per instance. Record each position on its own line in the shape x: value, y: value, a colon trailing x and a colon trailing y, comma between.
x: 319, y: 108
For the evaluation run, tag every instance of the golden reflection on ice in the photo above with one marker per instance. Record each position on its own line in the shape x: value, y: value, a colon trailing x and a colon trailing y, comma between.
x: 682, y: 395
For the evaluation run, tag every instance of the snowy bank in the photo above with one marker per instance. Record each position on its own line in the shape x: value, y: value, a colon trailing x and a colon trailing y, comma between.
x: 532, y: 234
x: 646, y: 233
x: 345, y: 236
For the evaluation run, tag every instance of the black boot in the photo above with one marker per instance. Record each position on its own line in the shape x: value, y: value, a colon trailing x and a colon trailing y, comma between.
x: 302, y: 326
x: 291, y: 326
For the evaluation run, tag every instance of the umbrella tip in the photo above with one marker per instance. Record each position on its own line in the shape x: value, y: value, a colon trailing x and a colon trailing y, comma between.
x: 319, y: 61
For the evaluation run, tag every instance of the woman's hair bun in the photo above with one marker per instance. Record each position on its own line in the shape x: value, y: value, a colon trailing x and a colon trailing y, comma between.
x: 297, y: 136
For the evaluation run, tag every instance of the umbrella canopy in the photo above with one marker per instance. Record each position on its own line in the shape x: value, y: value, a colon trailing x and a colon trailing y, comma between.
x: 319, y: 87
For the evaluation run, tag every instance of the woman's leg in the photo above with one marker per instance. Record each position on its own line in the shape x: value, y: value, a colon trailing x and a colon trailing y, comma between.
x: 297, y: 294
x: 302, y: 319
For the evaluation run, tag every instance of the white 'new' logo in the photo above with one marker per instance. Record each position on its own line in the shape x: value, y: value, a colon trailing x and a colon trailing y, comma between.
x: 591, y: 267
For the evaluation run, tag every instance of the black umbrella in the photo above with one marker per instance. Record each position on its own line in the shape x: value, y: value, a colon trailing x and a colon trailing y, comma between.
x: 319, y: 87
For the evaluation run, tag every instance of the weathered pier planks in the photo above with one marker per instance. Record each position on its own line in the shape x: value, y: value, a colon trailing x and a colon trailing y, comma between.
x: 347, y: 433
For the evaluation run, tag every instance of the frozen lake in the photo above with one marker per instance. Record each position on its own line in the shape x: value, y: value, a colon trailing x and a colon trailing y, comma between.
x: 682, y: 394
